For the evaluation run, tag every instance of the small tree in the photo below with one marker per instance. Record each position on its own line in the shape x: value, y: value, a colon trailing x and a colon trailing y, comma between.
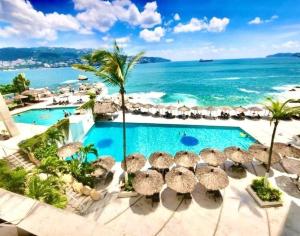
x: 279, y: 111
x: 84, y: 151
x: 20, y: 83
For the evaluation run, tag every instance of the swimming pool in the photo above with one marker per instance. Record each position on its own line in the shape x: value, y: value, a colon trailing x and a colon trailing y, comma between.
x: 147, y: 138
x: 48, y: 116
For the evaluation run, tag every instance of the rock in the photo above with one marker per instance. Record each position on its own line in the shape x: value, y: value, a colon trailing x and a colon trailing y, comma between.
x: 67, y: 178
x: 43, y: 176
x: 77, y: 187
x: 86, y: 190
x: 95, y: 195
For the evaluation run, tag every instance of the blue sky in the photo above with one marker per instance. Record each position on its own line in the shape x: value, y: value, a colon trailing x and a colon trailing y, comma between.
x: 175, y: 29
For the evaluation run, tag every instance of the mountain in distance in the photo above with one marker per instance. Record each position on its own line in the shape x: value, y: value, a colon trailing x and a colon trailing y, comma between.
x: 13, y: 58
x: 288, y: 54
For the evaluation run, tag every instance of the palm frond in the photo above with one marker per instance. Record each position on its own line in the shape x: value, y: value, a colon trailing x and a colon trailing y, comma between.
x: 84, y: 67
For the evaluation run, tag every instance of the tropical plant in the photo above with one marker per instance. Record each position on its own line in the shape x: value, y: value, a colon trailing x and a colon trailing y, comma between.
x: 54, y: 135
x: 81, y: 171
x: 12, y: 179
x: 113, y: 68
x: 7, y: 88
x: 52, y: 165
x: 279, y: 111
x: 264, y: 191
x: 45, y: 150
x: 49, y: 190
x: 90, y: 103
x: 20, y: 83
x: 85, y: 150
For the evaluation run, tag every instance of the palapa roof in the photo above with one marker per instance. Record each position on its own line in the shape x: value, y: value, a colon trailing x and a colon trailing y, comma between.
x: 240, y: 109
x: 186, y: 159
x: 171, y: 107
x: 184, y: 108
x: 213, y: 157
x: 105, y: 107
x: 286, y: 150
x: 147, y: 182
x: 106, y: 162
x: 212, y: 178
x: 19, y: 97
x: 238, y: 155
x: 261, y: 153
x: 69, y: 149
x: 255, y: 109
x: 291, y: 165
x: 134, y: 162
x: 181, y: 180
x: 161, y: 160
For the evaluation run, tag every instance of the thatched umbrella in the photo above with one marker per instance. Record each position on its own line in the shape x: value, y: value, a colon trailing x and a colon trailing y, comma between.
x: 225, y: 108
x: 147, y: 182
x: 183, y: 109
x: 292, y: 166
x: 171, y: 108
x: 105, y: 107
x: 147, y: 106
x: 161, y: 160
x: 286, y: 150
x: 197, y: 108
x: 134, y: 162
x: 181, y: 180
x: 159, y: 106
x: 99, y: 171
x: 186, y: 159
x: 261, y: 153
x: 106, y: 162
x: 69, y: 149
x: 212, y: 178
x: 238, y: 155
x: 213, y: 157
x: 254, y: 109
x: 240, y: 109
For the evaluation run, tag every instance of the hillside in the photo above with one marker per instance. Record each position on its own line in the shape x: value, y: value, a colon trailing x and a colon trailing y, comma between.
x: 297, y: 54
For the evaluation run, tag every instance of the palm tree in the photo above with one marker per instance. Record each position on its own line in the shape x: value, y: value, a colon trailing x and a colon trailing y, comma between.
x: 113, y: 68
x: 54, y: 135
x: 84, y: 151
x: 279, y: 111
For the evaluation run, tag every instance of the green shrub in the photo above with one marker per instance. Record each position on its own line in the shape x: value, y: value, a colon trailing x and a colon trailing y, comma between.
x: 53, y: 165
x: 49, y: 190
x: 81, y: 171
x: 45, y: 150
x: 128, y: 185
x: 265, y: 193
x: 12, y: 179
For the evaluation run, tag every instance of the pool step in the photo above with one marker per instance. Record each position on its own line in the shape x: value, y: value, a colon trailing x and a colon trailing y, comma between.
x: 19, y: 159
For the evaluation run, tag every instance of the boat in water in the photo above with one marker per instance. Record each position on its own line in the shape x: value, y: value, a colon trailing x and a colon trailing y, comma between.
x: 82, y: 77
x: 206, y: 60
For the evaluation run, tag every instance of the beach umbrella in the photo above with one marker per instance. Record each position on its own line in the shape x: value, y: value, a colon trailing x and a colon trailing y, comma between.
x: 212, y: 178
x: 106, y: 162
x: 286, y: 150
x: 213, y: 157
x: 159, y: 106
x: 69, y: 149
x: 261, y: 153
x: 171, y: 107
x: 134, y: 162
x: 238, y: 155
x: 240, y: 109
x: 20, y: 97
x: 197, y: 108
x: 105, y: 107
x: 147, y: 106
x: 255, y: 109
x: 183, y: 109
x: 161, y: 160
x: 181, y: 180
x: 186, y: 159
x: 100, y: 171
x: 225, y: 108
x: 147, y: 182
x: 136, y: 105
x: 291, y: 165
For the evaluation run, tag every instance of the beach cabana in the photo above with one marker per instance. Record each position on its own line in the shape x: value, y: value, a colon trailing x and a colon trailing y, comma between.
x: 148, y: 183
x: 261, y: 153
x: 186, y: 159
x: 213, y: 179
x: 181, y: 180
x: 134, y: 162
x: 69, y: 149
x: 286, y: 150
x: 212, y: 157
x: 237, y: 155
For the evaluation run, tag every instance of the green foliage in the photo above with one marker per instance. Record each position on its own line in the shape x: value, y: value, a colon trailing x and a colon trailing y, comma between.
x: 20, y: 83
x: 88, y: 105
x: 12, y: 179
x: 128, y: 186
x: 52, y: 165
x: 54, y: 135
x: 7, y: 88
x: 45, y: 150
x: 82, y: 172
x: 48, y: 190
x: 265, y: 192
x: 88, y: 149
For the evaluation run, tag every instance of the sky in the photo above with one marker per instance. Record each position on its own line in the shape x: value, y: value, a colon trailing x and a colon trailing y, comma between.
x: 174, y: 29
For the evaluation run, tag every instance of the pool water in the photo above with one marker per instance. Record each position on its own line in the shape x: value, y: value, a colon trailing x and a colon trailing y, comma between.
x: 46, y: 117
x: 148, y: 138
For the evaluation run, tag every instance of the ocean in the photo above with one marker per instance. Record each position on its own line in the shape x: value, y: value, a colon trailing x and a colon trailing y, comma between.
x: 218, y: 83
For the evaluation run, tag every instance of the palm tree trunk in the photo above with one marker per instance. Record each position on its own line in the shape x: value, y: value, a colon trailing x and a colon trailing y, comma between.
x: 122, y: 92
x: 271, y: 149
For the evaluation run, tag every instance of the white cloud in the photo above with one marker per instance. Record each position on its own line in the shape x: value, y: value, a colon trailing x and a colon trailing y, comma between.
x: 23, y: 20
x: 102, y: 15
x: 152, y: 36
x: 177, y: 17
x: 290, y: 45
x: 123, y: 41
x: 169, y: 40
x: 195, y: 24
x: 257, y: 20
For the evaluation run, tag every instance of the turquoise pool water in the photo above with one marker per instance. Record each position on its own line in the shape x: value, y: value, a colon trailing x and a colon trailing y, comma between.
x: 46, y: 117
x: 147, y: 138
